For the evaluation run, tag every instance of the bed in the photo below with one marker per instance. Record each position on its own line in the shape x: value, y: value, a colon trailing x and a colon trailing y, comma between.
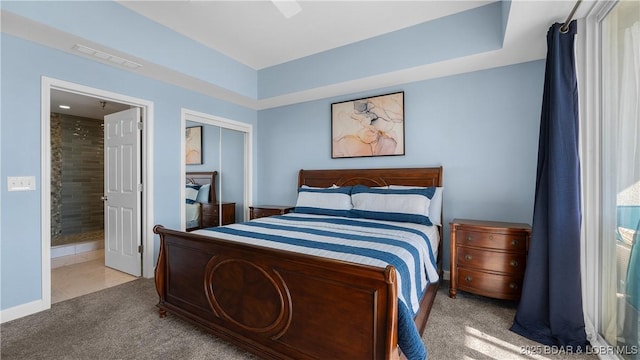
x: 282, y: 304
x: 202, y: 210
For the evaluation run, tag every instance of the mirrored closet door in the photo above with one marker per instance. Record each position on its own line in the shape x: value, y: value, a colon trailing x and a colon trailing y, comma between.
x: 216, y: 160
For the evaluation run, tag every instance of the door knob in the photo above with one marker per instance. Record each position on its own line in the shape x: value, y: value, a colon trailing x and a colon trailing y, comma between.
x: 103, y: 198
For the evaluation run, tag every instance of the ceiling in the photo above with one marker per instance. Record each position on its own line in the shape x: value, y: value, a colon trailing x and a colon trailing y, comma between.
x: 256, y: 34
x: 83, y: 106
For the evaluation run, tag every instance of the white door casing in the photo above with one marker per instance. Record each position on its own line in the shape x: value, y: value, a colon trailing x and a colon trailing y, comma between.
x: 122, y: 190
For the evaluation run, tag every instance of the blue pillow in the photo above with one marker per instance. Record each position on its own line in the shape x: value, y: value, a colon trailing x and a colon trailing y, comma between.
x: 334, y: 201
x: 191, y: 193
x: 203, y: 193
x: 404, y: 205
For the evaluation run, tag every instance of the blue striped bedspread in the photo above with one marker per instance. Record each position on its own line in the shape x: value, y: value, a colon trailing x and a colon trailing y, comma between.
x: 410, y: 248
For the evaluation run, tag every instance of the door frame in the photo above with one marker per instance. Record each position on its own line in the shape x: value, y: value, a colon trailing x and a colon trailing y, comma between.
x: 146, y: 107
x: 208, y: 119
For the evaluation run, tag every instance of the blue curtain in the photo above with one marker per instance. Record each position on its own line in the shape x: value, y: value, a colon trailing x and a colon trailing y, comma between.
x: 550, y: 308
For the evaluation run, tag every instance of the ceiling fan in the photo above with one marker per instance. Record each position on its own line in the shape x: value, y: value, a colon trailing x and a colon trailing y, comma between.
x: 288, y: 8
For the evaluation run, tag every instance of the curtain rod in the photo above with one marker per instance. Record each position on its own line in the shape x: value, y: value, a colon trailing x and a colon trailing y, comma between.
x: 565, y: 27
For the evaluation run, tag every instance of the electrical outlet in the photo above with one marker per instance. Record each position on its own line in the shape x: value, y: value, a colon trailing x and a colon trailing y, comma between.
x: 21, y: 183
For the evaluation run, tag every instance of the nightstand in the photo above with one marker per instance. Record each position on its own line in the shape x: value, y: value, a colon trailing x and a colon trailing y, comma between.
x: 211, y: 214
x: 488, y: 257
x: 259, y: 211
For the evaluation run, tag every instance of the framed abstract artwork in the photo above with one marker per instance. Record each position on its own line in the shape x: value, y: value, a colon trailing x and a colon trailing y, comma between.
x: 193, y: 142
x: 372, y: 126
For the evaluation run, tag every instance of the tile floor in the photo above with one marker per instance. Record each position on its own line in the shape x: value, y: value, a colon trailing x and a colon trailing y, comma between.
x: 81, y: 274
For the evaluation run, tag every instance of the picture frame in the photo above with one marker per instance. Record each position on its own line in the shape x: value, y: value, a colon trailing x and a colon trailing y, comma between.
x: 368, y: 127
x: 193, y: 145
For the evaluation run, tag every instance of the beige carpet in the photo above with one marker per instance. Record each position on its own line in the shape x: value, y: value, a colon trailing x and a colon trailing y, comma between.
x: 122, y: 323
x: 476, y: 327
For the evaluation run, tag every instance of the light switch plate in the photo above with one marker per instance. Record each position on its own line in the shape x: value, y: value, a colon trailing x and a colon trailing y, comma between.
x: 21, y: 183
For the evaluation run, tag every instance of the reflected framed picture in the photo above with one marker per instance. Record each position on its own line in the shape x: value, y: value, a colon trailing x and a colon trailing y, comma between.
x: 193, y: 142
x: 372, y: 126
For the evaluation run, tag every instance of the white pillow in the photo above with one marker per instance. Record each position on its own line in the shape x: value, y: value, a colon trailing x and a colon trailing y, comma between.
x: 334, y: 186
x: 335, y: 201
x: 435, y: 206
x: 191, y: 193
x: 407, y: 205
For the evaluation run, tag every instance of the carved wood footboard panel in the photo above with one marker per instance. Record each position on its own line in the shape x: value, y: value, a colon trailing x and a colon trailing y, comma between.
x: 278, y: 304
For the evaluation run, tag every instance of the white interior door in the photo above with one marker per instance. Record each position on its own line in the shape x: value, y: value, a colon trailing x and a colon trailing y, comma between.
x: 122, y: 188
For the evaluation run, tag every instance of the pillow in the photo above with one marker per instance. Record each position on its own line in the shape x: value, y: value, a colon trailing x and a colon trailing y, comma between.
x: 191, y: 193
x: 203, y: 193
x: 435, y: 206
x: 334, y: 186
x: 334, y: 201
x: 406, y: 205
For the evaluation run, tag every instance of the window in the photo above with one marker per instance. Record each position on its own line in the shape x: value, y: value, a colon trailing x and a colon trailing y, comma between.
x: 620, y: 181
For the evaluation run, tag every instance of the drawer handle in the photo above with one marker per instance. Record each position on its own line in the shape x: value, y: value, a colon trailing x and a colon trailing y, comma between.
x: 468, y: 237
x: 514, y: 263
x: 468, y: 278
x: 514, y: 242
x: 468, y: 257
x: 513, y: 286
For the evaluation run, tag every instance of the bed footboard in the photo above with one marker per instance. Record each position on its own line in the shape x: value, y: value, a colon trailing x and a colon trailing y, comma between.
x: 278, y: 304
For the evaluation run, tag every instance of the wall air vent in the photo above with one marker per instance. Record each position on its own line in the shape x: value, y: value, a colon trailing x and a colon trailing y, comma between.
x: 106, y: 57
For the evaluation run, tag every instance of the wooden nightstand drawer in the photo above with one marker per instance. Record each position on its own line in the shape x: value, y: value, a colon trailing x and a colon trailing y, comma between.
x: 513, y: 242
x: 506, y: 287
x: 488, y: 257
x: 259, y: 211
x: 211, y: 214
x: 491, y: 261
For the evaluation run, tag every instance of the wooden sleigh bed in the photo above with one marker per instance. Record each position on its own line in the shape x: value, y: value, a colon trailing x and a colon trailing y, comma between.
x: 286, y: 305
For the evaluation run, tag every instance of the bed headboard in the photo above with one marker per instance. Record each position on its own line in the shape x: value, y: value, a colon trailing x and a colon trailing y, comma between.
x: 203, y: 178
x: 372, y: 177
x: 431, y: 176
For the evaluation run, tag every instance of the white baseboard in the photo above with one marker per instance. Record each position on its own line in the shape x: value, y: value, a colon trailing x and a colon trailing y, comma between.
x: 23, y: 310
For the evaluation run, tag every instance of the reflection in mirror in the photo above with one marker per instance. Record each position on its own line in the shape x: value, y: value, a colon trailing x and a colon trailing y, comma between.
x: 232, y: 178
x: 222, y: 151
x: 201, y: 208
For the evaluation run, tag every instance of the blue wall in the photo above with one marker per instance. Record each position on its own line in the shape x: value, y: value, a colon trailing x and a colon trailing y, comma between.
x: 23, y: 65
x: 482, y: 127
